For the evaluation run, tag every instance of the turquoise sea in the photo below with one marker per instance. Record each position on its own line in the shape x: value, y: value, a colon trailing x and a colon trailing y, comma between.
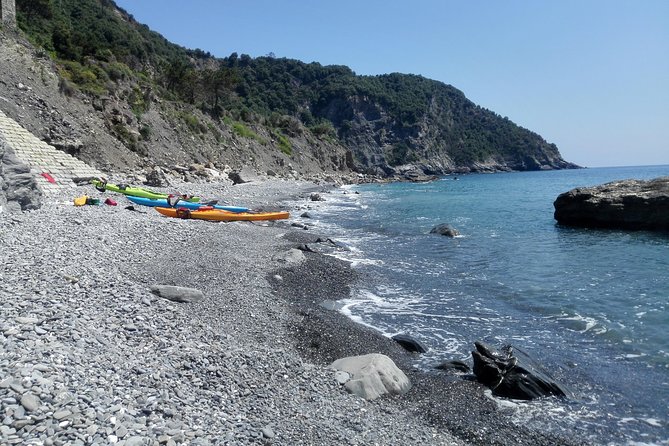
x: 592, y: 306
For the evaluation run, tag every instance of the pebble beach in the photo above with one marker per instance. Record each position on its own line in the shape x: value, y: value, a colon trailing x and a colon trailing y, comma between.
x: 91, y: 356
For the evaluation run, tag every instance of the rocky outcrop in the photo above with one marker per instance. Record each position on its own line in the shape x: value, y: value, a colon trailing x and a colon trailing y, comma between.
x: 18, y: 189
x: 409, y: 343
x: 445, y: 229
x: 626, y: 204
x: 446, y: 138
x: 513, y: 374
x: 372, y: 376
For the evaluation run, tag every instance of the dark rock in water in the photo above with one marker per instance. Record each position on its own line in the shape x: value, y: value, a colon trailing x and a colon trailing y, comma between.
x: 513, y: 374
x: 305, y: 215
x: 409, y: 343
x: 445, y: 229
x: 316, y: 197
x: 627, y: 204
x: 177, y: 293
x: 454, y: 364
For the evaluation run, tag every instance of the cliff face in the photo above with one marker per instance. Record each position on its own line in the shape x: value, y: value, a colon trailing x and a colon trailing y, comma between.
x: 457, y: 137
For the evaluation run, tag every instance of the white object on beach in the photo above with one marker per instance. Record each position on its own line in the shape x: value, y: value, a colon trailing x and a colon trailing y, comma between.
x: 372, y: 376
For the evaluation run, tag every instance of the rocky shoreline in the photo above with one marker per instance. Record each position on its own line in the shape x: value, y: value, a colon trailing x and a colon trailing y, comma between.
x: 91, y: 356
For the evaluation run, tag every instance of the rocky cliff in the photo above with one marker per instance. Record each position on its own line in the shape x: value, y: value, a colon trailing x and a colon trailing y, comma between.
x: 134, y: 101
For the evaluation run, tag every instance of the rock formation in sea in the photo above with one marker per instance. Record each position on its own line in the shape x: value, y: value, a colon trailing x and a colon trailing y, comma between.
x: 626, y: 204
x: 513, y: 374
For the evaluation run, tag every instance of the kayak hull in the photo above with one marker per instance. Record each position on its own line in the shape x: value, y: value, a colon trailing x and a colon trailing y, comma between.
x: 162, y: 202
x: 134, y: 191
x: 221, y: 215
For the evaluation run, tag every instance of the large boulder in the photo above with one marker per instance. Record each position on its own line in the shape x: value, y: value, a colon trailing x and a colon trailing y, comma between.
x: 246, y: 175
x: 513, y: 374
x: 372, y: 376
x: 445, y: 229
x: 627, y: 204
x: 156, y: 178
x: 18, y: 188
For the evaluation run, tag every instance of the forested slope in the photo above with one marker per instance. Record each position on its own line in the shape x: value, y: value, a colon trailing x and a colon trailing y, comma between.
x: 155, y: 98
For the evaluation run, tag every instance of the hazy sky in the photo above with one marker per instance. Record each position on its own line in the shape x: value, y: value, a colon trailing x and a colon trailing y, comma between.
x: 591, y: 76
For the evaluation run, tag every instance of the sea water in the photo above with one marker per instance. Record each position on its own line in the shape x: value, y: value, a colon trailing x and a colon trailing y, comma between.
x: 592, y: 306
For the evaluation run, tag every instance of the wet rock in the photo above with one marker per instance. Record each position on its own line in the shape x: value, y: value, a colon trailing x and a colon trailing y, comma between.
x: 445, y: 229
x: 627, y: 204
x: 513, y: 374
x: 410, y: 343
x: 454, y: 364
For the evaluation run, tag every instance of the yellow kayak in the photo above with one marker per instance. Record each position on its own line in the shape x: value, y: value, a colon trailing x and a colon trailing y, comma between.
x: 207, y: 213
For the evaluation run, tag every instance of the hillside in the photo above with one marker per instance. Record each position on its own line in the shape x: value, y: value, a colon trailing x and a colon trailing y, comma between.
x: 86, y: 77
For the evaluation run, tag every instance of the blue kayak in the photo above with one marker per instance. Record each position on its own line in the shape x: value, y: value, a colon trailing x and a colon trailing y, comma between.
x: 162, y: 202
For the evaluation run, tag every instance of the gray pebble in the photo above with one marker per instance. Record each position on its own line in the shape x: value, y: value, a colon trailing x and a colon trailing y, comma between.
x: 267, y: 432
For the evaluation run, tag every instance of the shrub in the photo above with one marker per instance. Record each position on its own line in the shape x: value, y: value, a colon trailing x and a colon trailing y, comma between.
x: 324, y: 130
x: 245, y: 132
x: 66, y: 87
x: 193, y: 123
x: 145, y: 131
x: 284, y: 143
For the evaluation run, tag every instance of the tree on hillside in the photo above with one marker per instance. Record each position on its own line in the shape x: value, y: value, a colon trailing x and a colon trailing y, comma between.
x: 217, y: 84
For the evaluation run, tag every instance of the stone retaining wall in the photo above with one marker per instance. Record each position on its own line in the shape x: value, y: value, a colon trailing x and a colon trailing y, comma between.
x: 44, y: 159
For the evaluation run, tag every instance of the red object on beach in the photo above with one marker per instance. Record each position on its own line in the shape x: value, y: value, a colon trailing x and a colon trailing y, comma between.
x: 48, y: 177
x: 110, y: 202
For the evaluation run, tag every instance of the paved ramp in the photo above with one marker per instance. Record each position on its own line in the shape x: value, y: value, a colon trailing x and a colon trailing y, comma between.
x: 44, y: 159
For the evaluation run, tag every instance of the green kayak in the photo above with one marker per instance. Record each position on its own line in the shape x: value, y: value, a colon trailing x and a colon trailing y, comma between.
x: 102, y: 185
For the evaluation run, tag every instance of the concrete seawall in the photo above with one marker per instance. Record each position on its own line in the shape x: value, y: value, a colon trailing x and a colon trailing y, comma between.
x: 43, y: 158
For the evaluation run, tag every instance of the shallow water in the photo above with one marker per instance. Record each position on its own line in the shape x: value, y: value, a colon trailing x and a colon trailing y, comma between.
x: 591, y: 305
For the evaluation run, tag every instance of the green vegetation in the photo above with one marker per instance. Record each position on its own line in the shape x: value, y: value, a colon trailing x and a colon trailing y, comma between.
x: 101, y: 50
x: 284, y: 144
x: 245, y: 132
x: 192, y: 122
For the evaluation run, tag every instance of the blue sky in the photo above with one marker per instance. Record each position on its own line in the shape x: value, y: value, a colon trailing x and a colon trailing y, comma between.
x: 591, y: 76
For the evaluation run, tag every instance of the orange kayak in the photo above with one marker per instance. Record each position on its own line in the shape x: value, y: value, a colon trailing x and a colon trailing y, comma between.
x: 207, y: 213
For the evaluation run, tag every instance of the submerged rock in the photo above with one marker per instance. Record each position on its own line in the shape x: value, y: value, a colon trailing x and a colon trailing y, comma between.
x: 445, y: 229
x: 627, y: 204
x: 513, y: 374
